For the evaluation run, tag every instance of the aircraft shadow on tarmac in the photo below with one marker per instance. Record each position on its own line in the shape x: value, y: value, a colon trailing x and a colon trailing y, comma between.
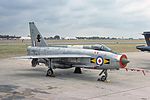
x: 62, y: 74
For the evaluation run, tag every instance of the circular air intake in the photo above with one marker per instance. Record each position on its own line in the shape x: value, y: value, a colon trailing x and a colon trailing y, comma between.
x: 123, y: 61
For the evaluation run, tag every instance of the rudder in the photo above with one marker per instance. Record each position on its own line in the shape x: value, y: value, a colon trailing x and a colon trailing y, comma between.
x: 147, y: 37
x: 36, y: 38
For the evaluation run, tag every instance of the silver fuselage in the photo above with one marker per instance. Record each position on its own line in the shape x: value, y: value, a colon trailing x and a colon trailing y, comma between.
x: 114, y: 59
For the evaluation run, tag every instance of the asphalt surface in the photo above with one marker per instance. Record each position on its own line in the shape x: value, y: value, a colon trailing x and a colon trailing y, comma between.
x: 19, y: 81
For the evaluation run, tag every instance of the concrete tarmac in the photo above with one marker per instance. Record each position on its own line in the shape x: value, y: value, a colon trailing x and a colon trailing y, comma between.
x: 20, y: 81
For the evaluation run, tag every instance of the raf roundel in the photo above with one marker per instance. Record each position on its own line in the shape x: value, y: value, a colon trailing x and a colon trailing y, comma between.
x: 99, y: 60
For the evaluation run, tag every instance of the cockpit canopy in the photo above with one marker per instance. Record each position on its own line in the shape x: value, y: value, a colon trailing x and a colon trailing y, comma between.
x: 100, y: 47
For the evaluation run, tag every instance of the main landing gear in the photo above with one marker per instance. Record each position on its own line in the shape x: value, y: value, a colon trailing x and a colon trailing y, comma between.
x: 50, y: 70
x: 78, y: 70
x: 103, y: 77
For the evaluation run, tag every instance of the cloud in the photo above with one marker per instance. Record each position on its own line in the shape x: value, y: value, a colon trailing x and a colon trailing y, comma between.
x: 76, y: 17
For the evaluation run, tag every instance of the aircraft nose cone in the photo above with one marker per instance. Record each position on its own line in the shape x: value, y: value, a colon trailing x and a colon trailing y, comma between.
x: 125, y: 61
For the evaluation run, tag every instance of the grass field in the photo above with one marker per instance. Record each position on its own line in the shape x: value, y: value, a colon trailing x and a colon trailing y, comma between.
x: 11, y: 48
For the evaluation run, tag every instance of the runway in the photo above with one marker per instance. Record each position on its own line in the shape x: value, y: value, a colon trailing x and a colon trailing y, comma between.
x: 20, y: 81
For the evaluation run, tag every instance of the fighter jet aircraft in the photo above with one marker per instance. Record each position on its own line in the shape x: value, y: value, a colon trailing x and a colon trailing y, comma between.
x: 147, y: 39
x: 61, y: 57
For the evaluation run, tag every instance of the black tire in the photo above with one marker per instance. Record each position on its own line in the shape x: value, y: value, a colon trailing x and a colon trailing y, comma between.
x: 103, y: 78
x: 78, y: 70
x: 34, y: 62
x: 49, y: 72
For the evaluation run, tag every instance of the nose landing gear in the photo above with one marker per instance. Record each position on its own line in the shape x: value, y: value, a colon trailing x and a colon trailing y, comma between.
x: 103, y: 78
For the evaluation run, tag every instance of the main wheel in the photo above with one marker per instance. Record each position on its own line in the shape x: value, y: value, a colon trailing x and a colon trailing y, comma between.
x: 103, y: 78
x: 49, y: 72
x: 78, y: 70
x: 34, y: 62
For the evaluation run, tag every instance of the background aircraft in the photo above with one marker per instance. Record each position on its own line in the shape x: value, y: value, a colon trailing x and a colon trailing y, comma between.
x: 68, y: 57
x: 147, y: 39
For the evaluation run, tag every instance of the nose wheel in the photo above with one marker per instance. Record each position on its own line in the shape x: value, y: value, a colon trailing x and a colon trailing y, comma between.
x: 103, y: 78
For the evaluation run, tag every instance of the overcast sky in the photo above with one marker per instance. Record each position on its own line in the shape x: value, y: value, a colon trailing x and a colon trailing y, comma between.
x: 71, y: 18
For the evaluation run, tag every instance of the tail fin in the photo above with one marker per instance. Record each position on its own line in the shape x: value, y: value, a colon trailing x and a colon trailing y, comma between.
x: 36, y: 38
x: 147, y: 37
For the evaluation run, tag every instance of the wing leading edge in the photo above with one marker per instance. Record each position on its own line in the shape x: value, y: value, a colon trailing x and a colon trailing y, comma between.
x: 54, y: 56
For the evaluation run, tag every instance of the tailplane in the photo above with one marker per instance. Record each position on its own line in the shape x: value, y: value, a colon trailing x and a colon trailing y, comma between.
x: 36, y: 38
x: 147, y: 37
